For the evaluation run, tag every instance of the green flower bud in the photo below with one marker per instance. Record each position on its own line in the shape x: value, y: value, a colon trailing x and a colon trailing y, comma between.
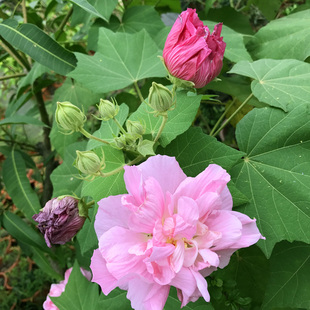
x: 107, y: 109
x: 120, y: 142
x: 160, y: 98
x: 135, y: 128
x: 69, y: 117
x: 88, y: 162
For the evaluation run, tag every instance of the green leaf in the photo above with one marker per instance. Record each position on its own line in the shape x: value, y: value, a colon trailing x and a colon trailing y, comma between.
x: 275, y: 173
x: 195, y: 150
x: 236, y: 86
x: 137, y: 18
x: 20, y: 230
x: 44, y: 263
x: 18, y: 186
x: 279, y: 83
x: 115, y: 300
x: 121, y: 60
x: 269, y: 8
x: 146, y: 147
x: 289, y: 284
x: 37, y: 44
x: 179, y: 119
x: 36, y: 71
x: 85, y: 5
x: 235, y: 49
x: 65, y: 178
x: 249, y: 268
x: 21, y: 119
x: 80, y: 294
x: 284, y: 38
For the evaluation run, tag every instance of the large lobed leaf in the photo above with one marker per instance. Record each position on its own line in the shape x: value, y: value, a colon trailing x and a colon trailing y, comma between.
x: 121, y: 60
x: 179, y: 119
x: 275, y: 173
x: 287, y: 37
x: 279, y: 83
x: 289, y: 284
x: 37, y: 44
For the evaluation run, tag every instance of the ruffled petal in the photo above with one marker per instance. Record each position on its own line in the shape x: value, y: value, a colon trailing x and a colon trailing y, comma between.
x: 101, y: 274
x: 110, y: 213
x: 147, y: 296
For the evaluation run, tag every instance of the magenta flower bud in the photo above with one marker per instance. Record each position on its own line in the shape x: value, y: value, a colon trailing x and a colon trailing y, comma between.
x: 59, y: 220
x: 191, y: 53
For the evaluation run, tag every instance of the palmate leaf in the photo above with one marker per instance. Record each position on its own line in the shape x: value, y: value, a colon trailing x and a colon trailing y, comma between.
x: 37, y: 44
x: 77, y: 287
x: 65, y: 178
x: 279, y: 83
x: 289, y: 283
x: 275, y: 173
x: 179, y: 119
x: 18, y: 186
x: 121, y: 60
x: 283, y: 38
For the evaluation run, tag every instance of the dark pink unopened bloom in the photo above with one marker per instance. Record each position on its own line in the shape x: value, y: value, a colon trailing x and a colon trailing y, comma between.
x: 57, y: 289
x: 191, y: 52
x: 59, y: 220
x: 169, y: 230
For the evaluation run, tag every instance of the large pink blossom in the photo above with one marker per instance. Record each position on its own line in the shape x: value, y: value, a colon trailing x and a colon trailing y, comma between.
x: 169, y: 230
x: 191, y: 52
x: 57, y: 289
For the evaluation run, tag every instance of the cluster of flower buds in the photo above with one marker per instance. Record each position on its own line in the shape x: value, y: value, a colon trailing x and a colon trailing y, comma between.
x: 61, y: 219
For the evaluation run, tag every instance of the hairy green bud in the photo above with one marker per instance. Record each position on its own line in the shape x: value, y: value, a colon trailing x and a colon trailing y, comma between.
x: 107, y: 109
x: 69, y: 117
x: 88, y: 162
x: 160, y: 98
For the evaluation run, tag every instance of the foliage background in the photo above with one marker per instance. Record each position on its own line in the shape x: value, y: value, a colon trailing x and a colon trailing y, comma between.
x: 84, y: 50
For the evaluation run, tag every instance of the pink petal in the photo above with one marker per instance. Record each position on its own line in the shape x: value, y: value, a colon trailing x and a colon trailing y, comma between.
x: 177, y: 258
x: 101, y: 275
x: 213, y: 179
x: 159, y: 253
x: 228, y: 225
x: 110, y: 213
x: 133, y: 180
x: 202, y: 285
x: 150, y: 210
x: 166, y: 170
x: 115, y: 246
x: 147, y: 296
x: 188, y: 210
x: 209, y: 257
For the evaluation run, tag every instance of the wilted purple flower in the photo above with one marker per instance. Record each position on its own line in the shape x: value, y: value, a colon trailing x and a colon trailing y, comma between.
x: 59, y: 220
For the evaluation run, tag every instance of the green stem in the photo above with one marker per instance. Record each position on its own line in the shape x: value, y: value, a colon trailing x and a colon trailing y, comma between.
x: 233, y: 115
x: 222, y: 116
x: 7, y: 77
x: 63, y: 23
x: 119, y: 125
x: 117, y: 170
x: 161, y: 128
x: 14, y: 54
x: 89, y: 136
x: 138, y: 91
x: 89, y: 204
x: 22, y: 144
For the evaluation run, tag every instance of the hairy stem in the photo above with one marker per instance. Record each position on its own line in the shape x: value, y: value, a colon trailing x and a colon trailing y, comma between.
x: 89, y: 136
x: 119, y: 125
x: 161, y: 128
x: 138, y: 91
x: 63, y: 23
x: 47, y: 149
x: 222, y: 116
x: 233, y: 115
x: 13, y: 76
